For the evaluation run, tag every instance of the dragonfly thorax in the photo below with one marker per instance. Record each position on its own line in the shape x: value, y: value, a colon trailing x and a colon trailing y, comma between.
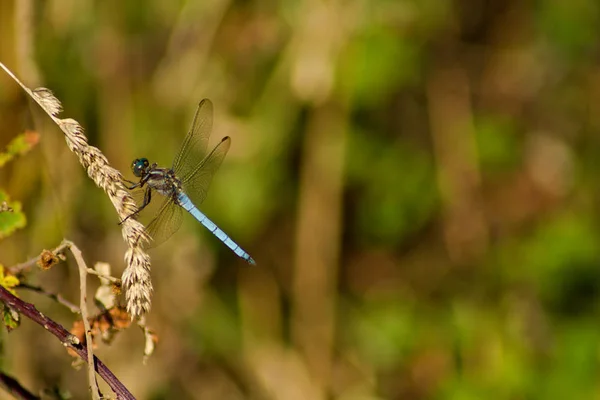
x: 164, y: 181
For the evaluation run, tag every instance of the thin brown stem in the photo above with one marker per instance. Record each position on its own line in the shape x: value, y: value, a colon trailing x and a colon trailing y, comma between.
x: 56, y: 297
x: 19, y: 268
x: 66, y: 338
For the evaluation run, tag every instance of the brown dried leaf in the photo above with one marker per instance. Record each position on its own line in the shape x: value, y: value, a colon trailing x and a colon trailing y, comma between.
x: 120, y: 318
x: 78, y: 330
x: 104, y: 325
x: 47, y: 260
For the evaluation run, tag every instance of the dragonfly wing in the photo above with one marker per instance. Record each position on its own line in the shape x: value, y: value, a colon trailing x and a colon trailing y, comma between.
x: 195, y: 143
x: 138, y: 195
x: 146, y: 215
x: 196, y: 184
x: 166, y: 223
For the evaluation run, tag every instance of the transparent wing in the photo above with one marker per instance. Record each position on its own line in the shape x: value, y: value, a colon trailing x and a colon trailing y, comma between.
x: 166, y: 223
x: 138, y: 195
x: 196, y: 184
x: 193, y: 148
x: 151, y: 210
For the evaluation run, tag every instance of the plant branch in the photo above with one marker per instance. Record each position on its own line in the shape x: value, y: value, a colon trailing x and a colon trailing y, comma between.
x: 14, y: 388
x: 66, y: 338
x: 109, y: 278
x: 56, y: 297
x: 85, y: 316
x: 45, y: 260
x: 18, y: 268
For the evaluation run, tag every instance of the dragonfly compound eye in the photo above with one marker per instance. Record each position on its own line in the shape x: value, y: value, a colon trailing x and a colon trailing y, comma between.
x: 138, y: 166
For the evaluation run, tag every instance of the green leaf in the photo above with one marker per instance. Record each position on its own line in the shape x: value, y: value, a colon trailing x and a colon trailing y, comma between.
x: 8, y: 281
x: 10, y: 318
x: 13, y: 218
x: 19, y: 146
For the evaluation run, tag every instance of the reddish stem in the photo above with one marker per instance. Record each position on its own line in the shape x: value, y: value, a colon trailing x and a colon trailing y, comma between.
x: 67, y: 339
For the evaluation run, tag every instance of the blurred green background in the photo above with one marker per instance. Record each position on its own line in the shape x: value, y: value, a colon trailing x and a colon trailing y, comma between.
x: 417, y: 180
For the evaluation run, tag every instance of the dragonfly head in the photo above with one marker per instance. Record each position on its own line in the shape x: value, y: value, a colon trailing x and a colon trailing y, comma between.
x: 140, y: 166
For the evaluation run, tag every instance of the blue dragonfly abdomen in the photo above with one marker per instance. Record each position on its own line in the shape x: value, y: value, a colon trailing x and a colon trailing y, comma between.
x: 188, y: 205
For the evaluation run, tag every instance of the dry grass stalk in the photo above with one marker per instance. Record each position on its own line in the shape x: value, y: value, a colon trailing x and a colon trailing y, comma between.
x: 136, y: 277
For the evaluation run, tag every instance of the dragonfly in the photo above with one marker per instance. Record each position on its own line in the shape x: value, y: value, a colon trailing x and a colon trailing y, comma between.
x: 185, y: 185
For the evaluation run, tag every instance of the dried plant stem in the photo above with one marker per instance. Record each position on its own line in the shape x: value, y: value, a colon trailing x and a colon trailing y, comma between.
x: 56, y: 297
x: 136, y: 277
x: 109, y: 278
x: 66, y: 338
x: 21, y: 267
x: 85, y: 316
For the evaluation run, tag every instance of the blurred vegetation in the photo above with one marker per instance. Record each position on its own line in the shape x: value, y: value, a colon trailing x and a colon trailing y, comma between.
x: 417, y: 180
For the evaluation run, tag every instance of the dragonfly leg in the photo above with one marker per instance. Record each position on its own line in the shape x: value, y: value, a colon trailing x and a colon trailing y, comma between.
x: 133, y: 185
x: 147, y: 198
x: 137, y: 184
